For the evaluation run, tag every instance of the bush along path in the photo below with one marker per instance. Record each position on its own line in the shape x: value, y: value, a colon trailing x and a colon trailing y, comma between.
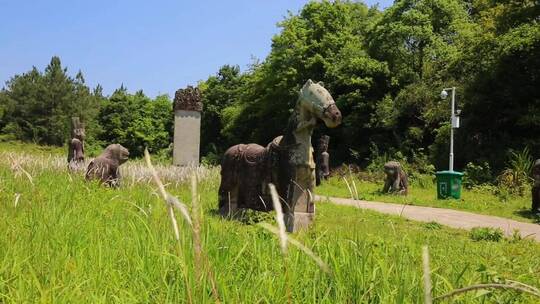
x: 447, y: 217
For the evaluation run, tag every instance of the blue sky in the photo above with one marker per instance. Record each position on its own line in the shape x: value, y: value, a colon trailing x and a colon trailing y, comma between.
x: 156, y: 46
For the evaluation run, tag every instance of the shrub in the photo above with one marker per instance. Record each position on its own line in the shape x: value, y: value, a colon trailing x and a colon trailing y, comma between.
x: 477, y: 174
x: 502, y: 193
x: 432, y: 226
x: 516, y: 177
x: 486, y: 234
x: 377, y: 161
x: 211, y: 159
x: 423, y: 181
x: 420, y: 163
x: 251, y: 217
x: 516, y: 237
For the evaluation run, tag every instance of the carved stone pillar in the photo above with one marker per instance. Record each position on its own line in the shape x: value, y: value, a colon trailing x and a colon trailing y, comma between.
x: 187, y: 126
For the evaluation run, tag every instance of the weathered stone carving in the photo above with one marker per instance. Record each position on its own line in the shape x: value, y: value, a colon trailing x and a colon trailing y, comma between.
x: 105, y: 167
x: 396, y: 181
x: 322, y: 159
x: 535, y: 206
x: 76, y: 145
x: 286, y: 162
x: 188, y: 99
x: 245, y: 171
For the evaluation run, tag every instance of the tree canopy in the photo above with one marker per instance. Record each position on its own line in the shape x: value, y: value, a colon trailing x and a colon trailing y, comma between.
x: 386, y: 70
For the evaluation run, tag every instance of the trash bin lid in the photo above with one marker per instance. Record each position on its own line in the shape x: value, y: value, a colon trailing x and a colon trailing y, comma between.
x: 447, y: 172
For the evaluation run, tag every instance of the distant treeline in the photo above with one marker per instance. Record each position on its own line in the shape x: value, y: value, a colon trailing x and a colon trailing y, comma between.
x: 38, y: 107
x: 385, y: 70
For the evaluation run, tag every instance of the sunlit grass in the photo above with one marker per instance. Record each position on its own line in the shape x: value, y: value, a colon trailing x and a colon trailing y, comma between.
x: 425, y: 194
x: 69, y: 241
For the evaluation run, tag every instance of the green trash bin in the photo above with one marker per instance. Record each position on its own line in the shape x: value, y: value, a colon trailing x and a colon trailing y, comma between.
x: 449, y: 184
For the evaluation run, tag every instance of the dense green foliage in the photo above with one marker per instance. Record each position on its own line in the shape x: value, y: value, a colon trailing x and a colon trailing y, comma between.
x: 385, y: 70
x: 220, y: 92
x: 486, y: 234
x: 67, y: 241
x: 38, y: 106
x: 136, y: 121
x: 499, y: 72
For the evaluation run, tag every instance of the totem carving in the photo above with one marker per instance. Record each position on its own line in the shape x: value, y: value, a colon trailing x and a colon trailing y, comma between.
x: 76, y: 145
x: 322, y: 159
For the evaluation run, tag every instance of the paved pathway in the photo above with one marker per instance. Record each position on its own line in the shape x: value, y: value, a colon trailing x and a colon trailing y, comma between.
x: 447, y: 217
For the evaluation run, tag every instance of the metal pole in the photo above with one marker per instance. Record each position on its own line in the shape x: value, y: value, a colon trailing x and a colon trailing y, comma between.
x: 452, y: 118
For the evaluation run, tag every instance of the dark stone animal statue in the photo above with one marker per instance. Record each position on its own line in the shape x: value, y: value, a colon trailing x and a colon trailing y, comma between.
x: 535, y: 206
x: 244, y: 168
x: 76, y: 145
x: 286, y: 162
x: 105, y: 167
x: 396, y: 181
x: 322, y: 159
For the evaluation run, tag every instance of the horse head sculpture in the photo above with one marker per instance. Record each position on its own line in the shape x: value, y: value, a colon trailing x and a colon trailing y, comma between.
x: 314, y: 99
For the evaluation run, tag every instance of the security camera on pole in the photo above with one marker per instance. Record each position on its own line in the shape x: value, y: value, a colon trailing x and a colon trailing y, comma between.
x: 454, y: 118
x: 449, y: 182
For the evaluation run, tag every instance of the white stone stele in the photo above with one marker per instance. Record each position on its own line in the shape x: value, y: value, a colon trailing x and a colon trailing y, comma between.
x: 187, y: 138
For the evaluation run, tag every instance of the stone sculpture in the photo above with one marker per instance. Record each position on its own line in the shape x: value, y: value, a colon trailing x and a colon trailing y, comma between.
x: 188, y: 99
x: 535, y: 206
x: 76, y: 145
x: 396, y: 181
x: 286, y: 162
x: 187, y: 126
x: 322, y: 159
x: 105, y: 167
x: 244, y: 174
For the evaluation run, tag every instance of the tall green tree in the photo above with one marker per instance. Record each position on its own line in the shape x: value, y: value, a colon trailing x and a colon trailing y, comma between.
x: 324, y: 42
x: 38, y: 106
x: 500, y: 74
x: 419, y: 37
x: 219, y: 91
x: 136, y: 121
x: 420, y: 40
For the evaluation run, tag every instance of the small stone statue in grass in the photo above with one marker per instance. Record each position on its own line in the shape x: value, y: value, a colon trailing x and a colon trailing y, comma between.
x: 322, y: 159
x: 105, y: 167
x: 535, y: 207
x: 396, y: 181
x: 76, y: 145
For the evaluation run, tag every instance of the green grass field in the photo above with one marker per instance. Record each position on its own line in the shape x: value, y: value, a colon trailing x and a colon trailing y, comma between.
x: 425, y: 194
x: 65, y: 240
